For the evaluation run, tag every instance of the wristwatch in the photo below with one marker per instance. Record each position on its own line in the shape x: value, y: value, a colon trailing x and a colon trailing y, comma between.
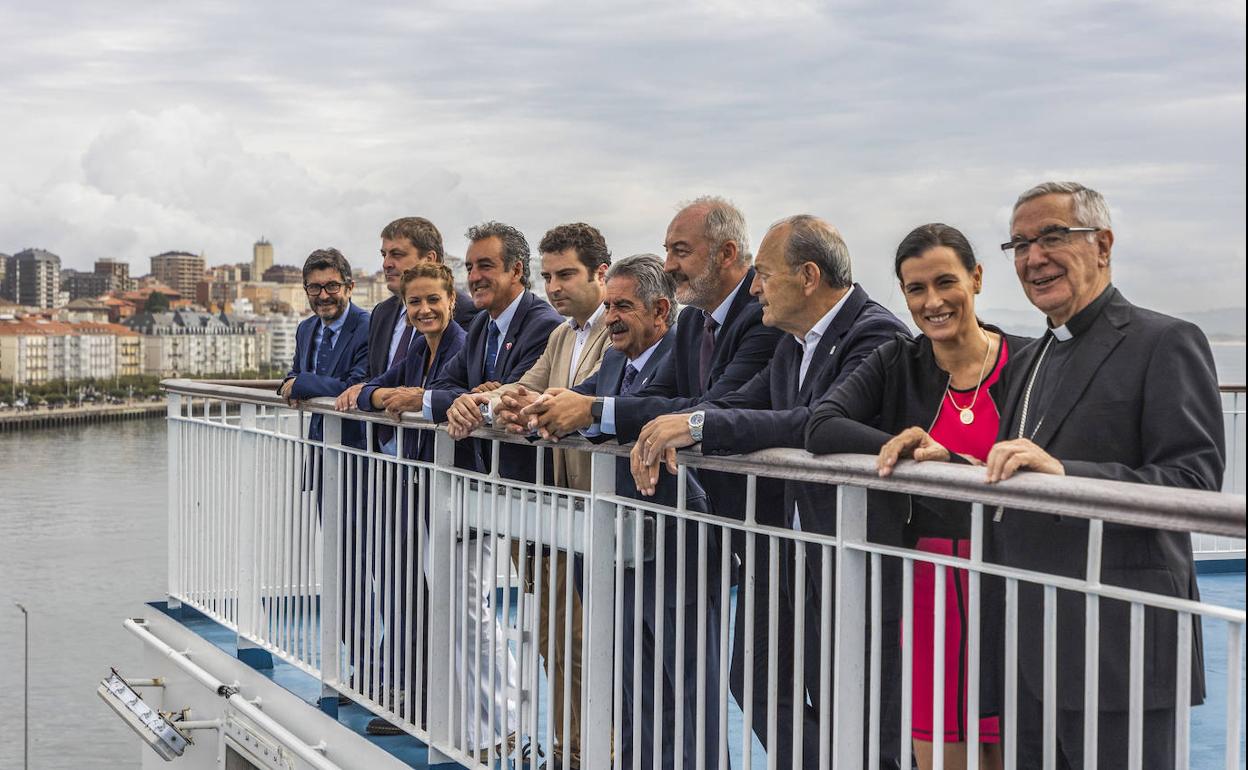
x: 696, y: 419
x: 595, y: 409
x: 485, y: 414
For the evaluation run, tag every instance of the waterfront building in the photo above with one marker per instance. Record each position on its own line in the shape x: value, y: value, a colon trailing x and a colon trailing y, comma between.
x: 261, y: 258
x: 283, y: 274
x: 277, y: 333
x: 35, y: 349
x: 264, y: 294
x: 189, y: 343
x: 179, y: 270
x: 4, y: 266
x: 84, y: 310
x: 81, y: 285
x: 33, y: 277
x: 118, y: 272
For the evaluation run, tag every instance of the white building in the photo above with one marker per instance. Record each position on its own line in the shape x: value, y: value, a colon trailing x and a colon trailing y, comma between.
x: 34, y: 350
x: 188, y: 343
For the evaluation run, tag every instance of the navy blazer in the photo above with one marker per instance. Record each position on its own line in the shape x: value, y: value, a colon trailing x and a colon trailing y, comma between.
x: 771, y: 410
x: 386, y: 316
x: 743, y: 347
x: 416, y: 371
x: 606, y: 382
x: 523, y: 344
x: 348, y: 365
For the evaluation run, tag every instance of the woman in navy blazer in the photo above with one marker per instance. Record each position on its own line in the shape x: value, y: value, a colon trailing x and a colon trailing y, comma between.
x: 428, y: 292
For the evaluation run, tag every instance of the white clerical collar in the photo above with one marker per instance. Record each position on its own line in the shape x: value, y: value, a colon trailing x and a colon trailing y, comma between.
x: 1061, y: 333
x: 821, y: 326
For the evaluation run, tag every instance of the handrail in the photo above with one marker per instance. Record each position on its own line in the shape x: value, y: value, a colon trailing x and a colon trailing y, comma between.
x: 1116, y: 502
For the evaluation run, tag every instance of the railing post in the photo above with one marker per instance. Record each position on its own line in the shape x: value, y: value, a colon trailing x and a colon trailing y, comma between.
x: 849, y: 666
x: 173, y: 457
x: 335, y: 487
x: 441, y: 607
x: 599, y: 616
x: 245, y: 499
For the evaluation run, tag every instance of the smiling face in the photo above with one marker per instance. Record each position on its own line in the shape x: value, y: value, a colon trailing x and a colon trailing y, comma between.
x: 1064, y: 280
x: 632, y: 327
x: 429, y: 306
x: 690, y: 261
x: 569, y: 286
x: 398, y: 255
x: 328, y: 306
x: 493, y: 287
x: 940, y: 293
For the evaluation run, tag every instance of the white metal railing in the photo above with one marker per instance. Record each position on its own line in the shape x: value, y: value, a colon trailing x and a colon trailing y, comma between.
x: 390, y: 580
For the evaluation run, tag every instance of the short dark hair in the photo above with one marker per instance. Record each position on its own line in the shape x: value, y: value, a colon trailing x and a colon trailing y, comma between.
x: 515, y: 246
x: 933, y: 235
x: 328, y: 258
x: 591, y: 247
x: 420, y: 231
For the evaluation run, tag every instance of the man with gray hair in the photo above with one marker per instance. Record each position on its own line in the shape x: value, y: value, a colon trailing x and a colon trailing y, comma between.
x: 1111, y: 391
x: 803, y: 281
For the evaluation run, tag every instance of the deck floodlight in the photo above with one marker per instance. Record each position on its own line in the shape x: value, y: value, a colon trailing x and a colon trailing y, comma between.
x: 156, y: 731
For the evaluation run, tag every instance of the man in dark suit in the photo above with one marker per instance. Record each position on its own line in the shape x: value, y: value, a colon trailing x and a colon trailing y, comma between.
x: 721, y: 343
x: 331, y: 346
x: 504, y: 341
x: 804, y: 284
x: 640, y: 307
x: 1111, y: 391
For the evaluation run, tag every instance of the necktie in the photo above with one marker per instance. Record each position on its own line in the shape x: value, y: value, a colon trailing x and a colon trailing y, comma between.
x: 324, y: 350
x: 707, y: 350
x: 400, y: 352
x: 630, y: 374
x: 491, y: 351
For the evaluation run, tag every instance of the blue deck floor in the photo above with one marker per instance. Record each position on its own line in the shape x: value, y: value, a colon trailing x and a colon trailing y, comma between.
x: 1208, y: 725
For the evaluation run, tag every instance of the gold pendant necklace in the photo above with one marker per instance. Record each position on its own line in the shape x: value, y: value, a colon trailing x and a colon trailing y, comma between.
x: 967, y: 414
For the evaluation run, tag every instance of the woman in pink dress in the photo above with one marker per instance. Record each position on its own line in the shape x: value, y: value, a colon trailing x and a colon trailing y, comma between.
x: 928, y: 398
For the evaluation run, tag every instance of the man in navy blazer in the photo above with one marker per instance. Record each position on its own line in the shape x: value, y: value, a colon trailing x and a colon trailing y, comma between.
x: 504, y: 341
x: 640, y: 307
x: 331, y: 347
x: 804, y: 284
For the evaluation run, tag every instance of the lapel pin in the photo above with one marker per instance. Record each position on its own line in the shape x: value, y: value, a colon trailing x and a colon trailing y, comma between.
x: 507, y: 346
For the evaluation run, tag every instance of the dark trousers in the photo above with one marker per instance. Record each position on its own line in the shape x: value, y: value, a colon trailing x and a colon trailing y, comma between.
x: 640, y: 737
x: 1112, y: 733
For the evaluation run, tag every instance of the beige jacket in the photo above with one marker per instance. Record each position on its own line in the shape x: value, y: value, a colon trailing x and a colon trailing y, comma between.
x: 572, y: 469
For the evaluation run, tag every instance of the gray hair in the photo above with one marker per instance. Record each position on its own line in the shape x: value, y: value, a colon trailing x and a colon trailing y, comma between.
x: 811, y: 239
x: 652, y: 281
x: 1088, y: 206
x: 724, y: 222
x: 515, y: 246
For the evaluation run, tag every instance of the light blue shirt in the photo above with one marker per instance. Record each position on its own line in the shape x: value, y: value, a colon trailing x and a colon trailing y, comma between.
x: 720, y: 314
x: 396, y: 336
x: 504, y: 323
x: 607, y: 424
x: 335, y: 326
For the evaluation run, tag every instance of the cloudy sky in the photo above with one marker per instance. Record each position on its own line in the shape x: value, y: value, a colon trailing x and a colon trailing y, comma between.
x: 127, y: 130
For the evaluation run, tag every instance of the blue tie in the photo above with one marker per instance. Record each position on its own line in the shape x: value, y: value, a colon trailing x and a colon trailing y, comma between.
x: 630, y: 374
x: 324, y: 350
x: 491, y: 351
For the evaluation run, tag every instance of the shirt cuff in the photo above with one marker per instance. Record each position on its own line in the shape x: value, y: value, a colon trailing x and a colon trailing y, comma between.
x: 607, y: 423
x: 426, y: 409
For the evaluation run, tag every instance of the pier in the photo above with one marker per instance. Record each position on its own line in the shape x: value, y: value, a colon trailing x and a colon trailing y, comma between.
x: 14, y: 420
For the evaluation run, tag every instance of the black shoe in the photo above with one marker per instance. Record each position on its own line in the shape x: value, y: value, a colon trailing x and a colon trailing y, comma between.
x: 379, y: 726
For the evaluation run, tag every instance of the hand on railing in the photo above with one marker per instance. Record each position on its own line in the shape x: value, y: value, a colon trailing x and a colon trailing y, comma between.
x: 558, y: 412
x: 657, y: 443
x: 464, y: 415
x: 347, y: 398
x: 914, y: 443
x: 1008, y: 457
x: 486, y: 387
x: 507, y: 412
x: 396, y: 401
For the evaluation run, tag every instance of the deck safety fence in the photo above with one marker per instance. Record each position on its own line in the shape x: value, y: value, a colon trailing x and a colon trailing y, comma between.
x: 431, y: 594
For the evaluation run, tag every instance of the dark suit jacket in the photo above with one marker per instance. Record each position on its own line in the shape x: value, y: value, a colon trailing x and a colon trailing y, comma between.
x: 411, y: 372
x: 524, y: 342
x: 348, y: 365
x: 743, y: 346
x: 1138, y: 402
x: 771, y: 411
x: 386, y: 315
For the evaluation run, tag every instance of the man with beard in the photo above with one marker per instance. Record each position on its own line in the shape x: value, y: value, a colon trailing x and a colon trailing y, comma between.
x: 720, y: 344
x: 331, y: 346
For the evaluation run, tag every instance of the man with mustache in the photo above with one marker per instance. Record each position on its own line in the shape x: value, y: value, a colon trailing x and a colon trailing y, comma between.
x: 574, y: 262
x: 720, y: 344
x: 331, y: 346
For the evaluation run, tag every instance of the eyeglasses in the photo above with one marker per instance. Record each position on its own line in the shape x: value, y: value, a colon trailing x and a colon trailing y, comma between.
x: 1050, y: 239
x: 314, y: 289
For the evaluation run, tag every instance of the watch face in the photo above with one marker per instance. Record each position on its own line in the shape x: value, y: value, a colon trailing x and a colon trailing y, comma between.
x: 696, y: 419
